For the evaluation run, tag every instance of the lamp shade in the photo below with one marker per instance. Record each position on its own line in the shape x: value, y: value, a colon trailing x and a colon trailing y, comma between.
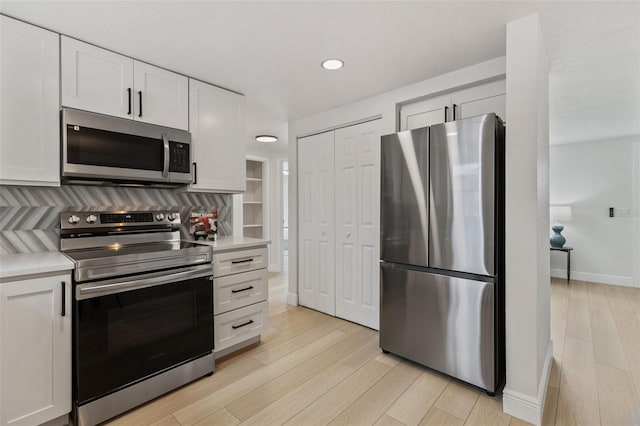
x: 560, y: 213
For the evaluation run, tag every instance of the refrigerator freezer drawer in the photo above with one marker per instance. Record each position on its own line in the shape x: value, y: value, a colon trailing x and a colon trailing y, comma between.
x: 442, y: 322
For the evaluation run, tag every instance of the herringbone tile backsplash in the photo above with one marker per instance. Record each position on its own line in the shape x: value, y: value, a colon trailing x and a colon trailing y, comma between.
x: 29, y: 216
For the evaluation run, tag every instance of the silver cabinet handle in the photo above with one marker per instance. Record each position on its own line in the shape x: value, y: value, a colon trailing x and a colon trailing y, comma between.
x: 165, y: 146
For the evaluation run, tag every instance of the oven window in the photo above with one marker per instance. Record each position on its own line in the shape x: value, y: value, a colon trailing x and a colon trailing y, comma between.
x: 109, y: 149
x: 128, y: 326
x: 128, y: 336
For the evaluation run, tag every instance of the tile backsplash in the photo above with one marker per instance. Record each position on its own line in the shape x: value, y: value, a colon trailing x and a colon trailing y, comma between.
x: 29, y: 216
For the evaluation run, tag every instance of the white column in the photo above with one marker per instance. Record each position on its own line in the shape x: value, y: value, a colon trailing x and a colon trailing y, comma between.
x: 529, y: 347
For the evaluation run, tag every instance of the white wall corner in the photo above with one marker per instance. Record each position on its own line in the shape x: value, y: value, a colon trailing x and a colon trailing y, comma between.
x: 525, y: 407
x: 292, y: 299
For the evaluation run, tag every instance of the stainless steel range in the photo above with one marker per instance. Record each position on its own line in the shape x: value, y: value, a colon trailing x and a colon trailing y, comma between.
x: 142, y: 309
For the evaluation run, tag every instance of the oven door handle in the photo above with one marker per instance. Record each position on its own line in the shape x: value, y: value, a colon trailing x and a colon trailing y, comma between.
x: 105, y: 288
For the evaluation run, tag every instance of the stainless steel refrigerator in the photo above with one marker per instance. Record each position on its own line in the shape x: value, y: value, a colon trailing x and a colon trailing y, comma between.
x: 442, y: 248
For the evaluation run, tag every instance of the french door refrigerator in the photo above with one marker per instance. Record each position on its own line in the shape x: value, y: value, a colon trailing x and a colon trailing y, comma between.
x: 442, y: 248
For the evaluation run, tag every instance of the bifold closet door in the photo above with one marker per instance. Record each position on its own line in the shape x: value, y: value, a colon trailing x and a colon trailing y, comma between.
x: 357, y: 214
x: 316, y: 245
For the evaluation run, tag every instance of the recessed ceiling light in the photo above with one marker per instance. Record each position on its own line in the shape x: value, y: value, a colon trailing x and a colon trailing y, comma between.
x: 266, y: 138
x: 332, y: 64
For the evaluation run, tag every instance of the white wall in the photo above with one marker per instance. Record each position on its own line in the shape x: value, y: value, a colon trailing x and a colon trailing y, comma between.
x: 384, y: 106
x: 592, y: 176
x: 529, y: 349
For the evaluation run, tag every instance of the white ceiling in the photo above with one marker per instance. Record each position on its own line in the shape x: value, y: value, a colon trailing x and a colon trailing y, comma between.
x: 271, y: 51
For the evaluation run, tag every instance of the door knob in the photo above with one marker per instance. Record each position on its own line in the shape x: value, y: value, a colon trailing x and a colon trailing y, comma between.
x: 348, y: 234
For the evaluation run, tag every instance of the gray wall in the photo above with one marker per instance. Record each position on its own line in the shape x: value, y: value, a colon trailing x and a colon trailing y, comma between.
x: 29, y: 216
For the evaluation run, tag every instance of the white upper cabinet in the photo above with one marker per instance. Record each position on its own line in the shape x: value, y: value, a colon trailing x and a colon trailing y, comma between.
x: 477, y: 100
x: 95, y: 79
x: 161, y: 96
x: 98, y: 80
x: 29, y: 106
x: 425, y: 113
x: 218, y: 138
x: 481, y: 99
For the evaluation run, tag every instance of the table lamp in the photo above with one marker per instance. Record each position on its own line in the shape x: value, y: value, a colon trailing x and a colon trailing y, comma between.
x: 559, y: 213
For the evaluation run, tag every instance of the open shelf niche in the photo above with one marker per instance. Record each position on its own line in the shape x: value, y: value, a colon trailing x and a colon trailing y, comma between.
x: 253, y: 204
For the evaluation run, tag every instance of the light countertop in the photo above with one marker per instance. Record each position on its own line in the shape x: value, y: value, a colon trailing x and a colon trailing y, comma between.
x: 16, y: 265
x: 233, y: 242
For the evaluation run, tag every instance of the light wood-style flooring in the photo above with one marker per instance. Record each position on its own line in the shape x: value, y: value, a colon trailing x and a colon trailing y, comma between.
x: 313, y: 369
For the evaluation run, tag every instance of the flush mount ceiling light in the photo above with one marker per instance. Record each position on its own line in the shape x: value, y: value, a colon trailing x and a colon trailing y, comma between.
x: 266, y: 138
x: 332, y: 64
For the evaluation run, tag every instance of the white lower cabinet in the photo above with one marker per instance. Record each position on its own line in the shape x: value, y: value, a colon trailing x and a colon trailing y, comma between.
x: 235, y: 291
x: 233, y: 262
x: 240, y: 324
x: 35, y: 349
x: 240, y: 294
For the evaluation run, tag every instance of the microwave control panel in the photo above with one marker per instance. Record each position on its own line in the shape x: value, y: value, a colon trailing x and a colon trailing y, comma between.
x: 179, y: 157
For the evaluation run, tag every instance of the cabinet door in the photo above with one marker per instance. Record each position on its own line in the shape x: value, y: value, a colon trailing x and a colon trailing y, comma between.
x: 425, y: 113
x: 480, y: 100
x: 95, y: 79
x: 35, y: 359
x: 29, y: 110
x: 483, y: 106
x: 161, y: 96
x: 357, y: 207
x: 316, y: 281
x: 217, y: 123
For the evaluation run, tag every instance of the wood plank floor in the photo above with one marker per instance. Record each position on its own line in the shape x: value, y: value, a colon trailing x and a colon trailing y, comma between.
x: 313, y: 369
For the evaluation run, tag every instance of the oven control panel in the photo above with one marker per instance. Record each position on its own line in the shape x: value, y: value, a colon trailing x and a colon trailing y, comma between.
x: 73, y: 220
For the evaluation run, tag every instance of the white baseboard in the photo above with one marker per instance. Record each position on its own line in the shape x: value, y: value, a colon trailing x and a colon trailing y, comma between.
x: 595, y: 278
x: 292, y: 299
x: 525, y: 407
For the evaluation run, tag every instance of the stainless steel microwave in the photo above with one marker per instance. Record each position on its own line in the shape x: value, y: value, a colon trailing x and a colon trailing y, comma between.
x: 108, y: 150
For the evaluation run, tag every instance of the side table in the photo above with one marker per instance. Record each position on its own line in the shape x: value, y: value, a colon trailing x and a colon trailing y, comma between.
x: 568, y: 251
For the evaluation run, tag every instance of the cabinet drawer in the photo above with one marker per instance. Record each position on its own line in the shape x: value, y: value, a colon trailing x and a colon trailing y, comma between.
x: 239, y: 325
x: 235, y: 291
x: 232, y: 262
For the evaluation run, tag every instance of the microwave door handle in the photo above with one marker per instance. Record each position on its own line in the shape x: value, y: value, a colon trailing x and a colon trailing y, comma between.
x: 165, y: 143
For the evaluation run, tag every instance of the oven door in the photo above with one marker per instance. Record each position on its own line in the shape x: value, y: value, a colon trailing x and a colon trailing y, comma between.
x: 129, y: 329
